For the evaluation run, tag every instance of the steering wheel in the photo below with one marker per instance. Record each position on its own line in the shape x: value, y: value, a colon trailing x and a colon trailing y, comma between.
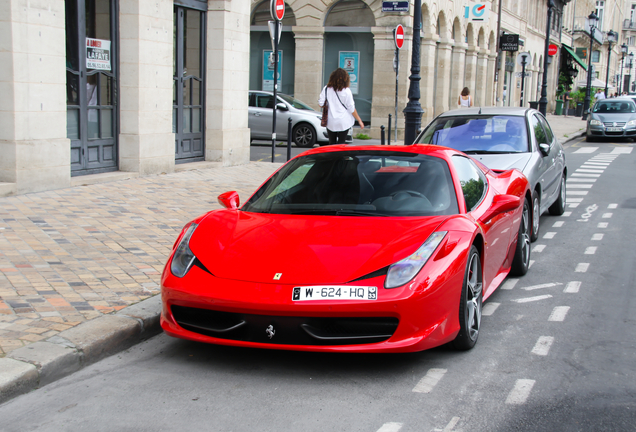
x: 410, y: 192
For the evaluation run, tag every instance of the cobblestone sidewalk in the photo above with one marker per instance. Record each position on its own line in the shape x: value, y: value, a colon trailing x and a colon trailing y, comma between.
x: 73, y: 254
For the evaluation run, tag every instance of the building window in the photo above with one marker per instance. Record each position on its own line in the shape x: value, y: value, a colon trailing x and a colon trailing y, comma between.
x: 600, y: 7
x: 596, y: 56
x: 632, y: 14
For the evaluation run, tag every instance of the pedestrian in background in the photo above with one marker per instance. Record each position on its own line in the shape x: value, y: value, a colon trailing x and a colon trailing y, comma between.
x: 566, y: 101
x: 464, y: 100
x: 599, y: 94
x: 342, y: 109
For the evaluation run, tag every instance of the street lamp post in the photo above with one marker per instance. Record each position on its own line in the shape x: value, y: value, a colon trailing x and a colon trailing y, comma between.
x: 593, y: 21
x: 624, y: 49
x: 612, y: 36
x: 630, y: 65
x: 413, y: 111
x: 543, y: 102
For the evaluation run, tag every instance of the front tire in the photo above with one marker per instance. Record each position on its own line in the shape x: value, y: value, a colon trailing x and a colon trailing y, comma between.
x: 521, y: 260
x: 304, y: 135
x: 536, y: 216
x: 470, y: 303
x: 558, y: 207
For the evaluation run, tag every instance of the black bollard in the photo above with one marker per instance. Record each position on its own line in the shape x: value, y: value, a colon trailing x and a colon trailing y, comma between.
x: 289, y: 138
x: 382, y: 135
x: 389, y: 130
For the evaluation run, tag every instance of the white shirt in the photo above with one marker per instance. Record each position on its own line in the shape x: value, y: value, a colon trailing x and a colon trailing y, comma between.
x: 600, y: 95
x: 339, y: 118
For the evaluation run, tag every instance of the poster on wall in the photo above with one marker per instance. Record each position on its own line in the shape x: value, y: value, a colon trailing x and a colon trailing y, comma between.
x: 268, y: 70
x: 349, y: 61
x: 98, y: 54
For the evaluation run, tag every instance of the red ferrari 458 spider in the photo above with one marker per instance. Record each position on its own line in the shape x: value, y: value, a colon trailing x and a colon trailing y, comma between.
x: 361, y: 249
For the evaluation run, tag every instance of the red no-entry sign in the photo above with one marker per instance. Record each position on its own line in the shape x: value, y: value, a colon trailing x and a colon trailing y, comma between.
x: 399, y: 36
x: 277, y: 9
x: 552, y: 50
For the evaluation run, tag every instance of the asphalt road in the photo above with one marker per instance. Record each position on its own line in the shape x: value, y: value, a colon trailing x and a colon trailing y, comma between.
x: 556, y: 352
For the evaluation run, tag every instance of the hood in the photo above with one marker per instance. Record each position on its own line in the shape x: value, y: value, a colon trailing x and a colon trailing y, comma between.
x: 253, y: 247
x: 504, y: 161
x: 613, y: 117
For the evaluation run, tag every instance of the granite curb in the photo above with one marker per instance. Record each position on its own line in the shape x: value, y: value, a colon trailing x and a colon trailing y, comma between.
x: 42, y: 363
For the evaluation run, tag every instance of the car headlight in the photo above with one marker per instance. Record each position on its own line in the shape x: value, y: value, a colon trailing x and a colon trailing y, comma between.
x: 403, y: 271
x: 596, y: 123
x: 183, y: 257
x: 631, y: 123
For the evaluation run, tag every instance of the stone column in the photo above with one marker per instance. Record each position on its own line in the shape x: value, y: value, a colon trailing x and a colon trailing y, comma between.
x: 227, y: 137
x: 427, y: 83
x: 490, y: 80
x: 146, y: 141
x: 471, y: 68
x: 457, y: 73
x: 501, y: 79
x: 482, y: 77
x: 308, y: 69
x: 444, y: 53
x: 35, y: 154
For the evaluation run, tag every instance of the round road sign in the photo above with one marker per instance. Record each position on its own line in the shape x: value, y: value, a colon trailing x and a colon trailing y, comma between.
x: 277, y: 9
x: 399, y: 36
x: 552, y: 50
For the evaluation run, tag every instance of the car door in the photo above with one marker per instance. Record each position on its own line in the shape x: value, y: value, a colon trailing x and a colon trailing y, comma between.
x: 545, y: 168
x: 260, y: 118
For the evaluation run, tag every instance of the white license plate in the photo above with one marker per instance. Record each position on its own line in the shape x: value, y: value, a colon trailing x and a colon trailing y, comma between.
x: 614, y: 129
x: 335, y: 293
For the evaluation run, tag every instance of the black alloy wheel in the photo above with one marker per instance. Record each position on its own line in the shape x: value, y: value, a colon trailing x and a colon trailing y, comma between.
x: 304, y: 135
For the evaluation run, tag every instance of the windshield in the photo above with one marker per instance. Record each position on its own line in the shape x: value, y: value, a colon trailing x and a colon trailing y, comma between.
x: 359, y: 183
x: 295, y: 102
x: 479, y: 134
x: 615, y: 107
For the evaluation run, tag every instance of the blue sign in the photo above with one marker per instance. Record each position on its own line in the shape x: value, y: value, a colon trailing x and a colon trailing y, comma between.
x: 477, y: 12
x: 395, y: 6
x: 268, y: 70
x: 350, y: 61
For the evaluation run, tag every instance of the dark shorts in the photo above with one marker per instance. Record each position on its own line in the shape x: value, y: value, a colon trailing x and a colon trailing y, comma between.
x: 337, y: 137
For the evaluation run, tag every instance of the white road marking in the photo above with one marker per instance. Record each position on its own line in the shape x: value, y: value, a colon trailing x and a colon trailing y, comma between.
x: 593, y: 168
x: 579, y: 186
x: 390, y: 427
x: 586, y: 150
x: 449, y: 427
x: 533, y: 299
x: 602, y: 225
x: 530, y: 263
x: 509, y: 284
x: 585, y: 175
x: 569, y: 199
x: 571, y: 192
x: 549, y: 235
x: 558, y: 224
x: 573, y: 205
x: 542, y: 347
x: 582, y: 180
x: 581, y: 170
x: 558, y: 313
x: 607, y: 215
x: 581, y: 267
x: 429, y: 381
x: 572, y: 287
x: 590, y: 250
x: 621, y: 150
x: 612, y: 206
x: 545, y: 285
x: 489, y: 308
x: 538, y: 248
x: 519, y: 394
x: 597, y: 237
x: 566, y: 214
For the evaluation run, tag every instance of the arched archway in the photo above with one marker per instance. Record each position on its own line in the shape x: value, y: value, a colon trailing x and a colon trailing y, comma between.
x: 261, y: 46
x: 348, y: 43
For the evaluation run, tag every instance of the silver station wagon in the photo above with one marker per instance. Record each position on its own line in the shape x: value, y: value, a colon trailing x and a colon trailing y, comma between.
x: 503, y: 138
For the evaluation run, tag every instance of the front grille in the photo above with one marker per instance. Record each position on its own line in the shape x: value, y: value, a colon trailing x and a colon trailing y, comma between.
x: 611, y: 124
x: 286, y: 330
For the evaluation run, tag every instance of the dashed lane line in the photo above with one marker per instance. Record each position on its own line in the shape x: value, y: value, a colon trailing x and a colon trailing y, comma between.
x: 586, y: 150
x: 521, y: 391
x: 538, y: 248
x: 566, y: 214
x: 509, y: 284
x: 572, y: 287
x: 489, y: 308
x: 579, y: 186
x: 533, y: 299
x: 549, y: 235
x: 558, y: 224
x: 585, y: 175
x: 597, y: 237
x: 581, y: 180
x: 582, y: 267
x: 390, y: 427
x: 602, y: 225
x: 607, y: 215
x: 545, y: 285
x: 612, y: 206
x: 558, y: 313
x: 542, y: 347
x: 449, y: 427
x: 429, y: 381
x: 590, y: 250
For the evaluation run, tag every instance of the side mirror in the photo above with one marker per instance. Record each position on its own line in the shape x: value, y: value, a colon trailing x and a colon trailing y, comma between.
x: 282, y: 107
x: 501, y: 204
x: 545, y: 149
x: 229, y: 200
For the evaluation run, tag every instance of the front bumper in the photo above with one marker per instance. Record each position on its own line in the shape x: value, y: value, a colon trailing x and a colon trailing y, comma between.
x: 616, y: 132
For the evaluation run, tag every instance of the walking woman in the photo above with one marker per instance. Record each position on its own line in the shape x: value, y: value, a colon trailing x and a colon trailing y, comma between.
x: 342, y: 109
x: 465, y: 101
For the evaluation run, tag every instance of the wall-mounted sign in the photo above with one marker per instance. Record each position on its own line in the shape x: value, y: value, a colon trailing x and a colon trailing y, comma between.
x: 509, y: 42
x: 395, y: 6
x: 581, y: 53
x: 98, y: 54
x: 268, y: 69
x: 349, y: 61
x: 552, y: 50
x: 477, y: 12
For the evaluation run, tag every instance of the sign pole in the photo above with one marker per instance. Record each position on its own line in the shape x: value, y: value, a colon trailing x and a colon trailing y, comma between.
x: 397, y: 76
x: 523, y: 77
x: 277, y: 12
